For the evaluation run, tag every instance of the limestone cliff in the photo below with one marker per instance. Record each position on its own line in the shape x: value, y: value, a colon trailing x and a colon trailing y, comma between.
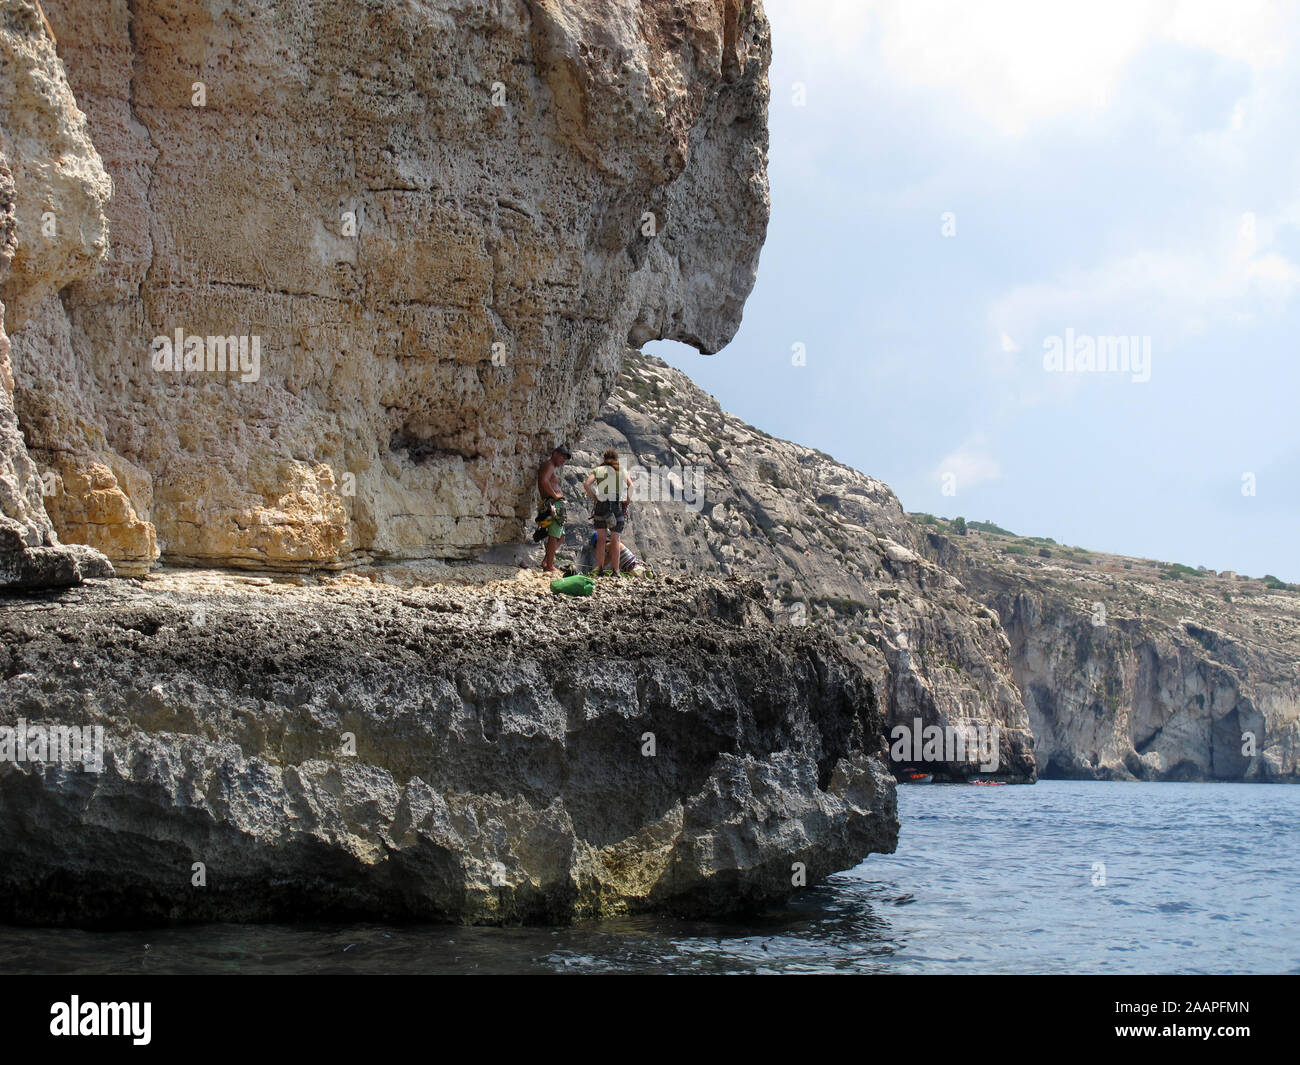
x: 1134, y: 669
x: 371, y: 260
x: 53, y: 189
x: 832, y: 546
x: 488, y: 754
x: 1128, y: 668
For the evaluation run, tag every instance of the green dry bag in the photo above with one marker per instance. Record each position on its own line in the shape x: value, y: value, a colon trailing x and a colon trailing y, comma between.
x: 578, y: 584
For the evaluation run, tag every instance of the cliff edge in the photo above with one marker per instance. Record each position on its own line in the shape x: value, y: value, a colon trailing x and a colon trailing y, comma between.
x: 53, y: 190
x: 487, y: 754
x: 370, y: 262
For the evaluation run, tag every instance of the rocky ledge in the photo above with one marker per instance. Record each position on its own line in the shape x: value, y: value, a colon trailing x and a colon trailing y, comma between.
x: 519, y: 757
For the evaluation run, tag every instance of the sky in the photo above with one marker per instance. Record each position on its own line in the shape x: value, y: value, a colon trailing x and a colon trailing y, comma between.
x: 976, y: 205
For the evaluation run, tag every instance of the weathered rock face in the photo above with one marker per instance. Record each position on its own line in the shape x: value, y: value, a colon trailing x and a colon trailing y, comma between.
x: 59, y: 232
x: 502, y: 768
x: 438, y: 225
x: 52, y: 231
x: 832, y: 546
x: 1133, y: 669
x: 1188, y: 674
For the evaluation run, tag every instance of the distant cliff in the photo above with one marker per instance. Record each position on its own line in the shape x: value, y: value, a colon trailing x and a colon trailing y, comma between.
x: 1134, y: 669
x: 1090, y: 665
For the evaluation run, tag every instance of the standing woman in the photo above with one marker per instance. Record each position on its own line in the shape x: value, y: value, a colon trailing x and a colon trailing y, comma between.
x: 611, y: 490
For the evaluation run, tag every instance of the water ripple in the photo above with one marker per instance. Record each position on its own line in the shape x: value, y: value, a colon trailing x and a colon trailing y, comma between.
x: 1064, y: 876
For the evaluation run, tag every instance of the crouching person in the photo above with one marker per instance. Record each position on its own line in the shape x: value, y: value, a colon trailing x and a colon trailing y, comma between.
x: 627, y: 561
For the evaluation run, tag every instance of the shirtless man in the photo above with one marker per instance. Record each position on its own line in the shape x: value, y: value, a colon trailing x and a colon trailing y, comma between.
x: 550, y: 510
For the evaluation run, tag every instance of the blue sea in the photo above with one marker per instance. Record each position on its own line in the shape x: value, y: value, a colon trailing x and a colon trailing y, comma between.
x: 1058, y: 877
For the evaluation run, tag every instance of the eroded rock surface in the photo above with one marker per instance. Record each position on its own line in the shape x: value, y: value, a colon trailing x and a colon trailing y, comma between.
x: 1128, y: 668
x: 502, y: 770
x: 832, y: 546
x: 52, y: 231
x: 443, y: 223
x: 1136, y: 669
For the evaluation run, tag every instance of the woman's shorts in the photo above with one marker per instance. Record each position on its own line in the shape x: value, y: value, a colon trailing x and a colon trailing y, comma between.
x: 610, y: 515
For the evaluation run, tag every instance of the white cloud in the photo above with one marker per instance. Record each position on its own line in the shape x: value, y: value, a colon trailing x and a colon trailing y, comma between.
x: 968, y: 466
x: 1164, y: 293
x: 826, y: 26
x: 1250, y: 31
x: 1014, y: 62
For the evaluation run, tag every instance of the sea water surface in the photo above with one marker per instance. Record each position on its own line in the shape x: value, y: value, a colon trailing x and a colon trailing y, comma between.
x: 1058, y: 877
